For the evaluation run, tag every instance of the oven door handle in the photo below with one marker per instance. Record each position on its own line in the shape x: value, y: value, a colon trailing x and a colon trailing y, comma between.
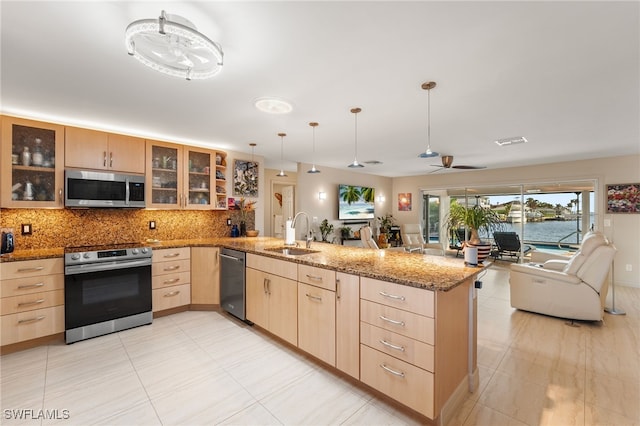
x: 106, y: 266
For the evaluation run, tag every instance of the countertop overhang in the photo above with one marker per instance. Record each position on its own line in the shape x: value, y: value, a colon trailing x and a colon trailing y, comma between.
x: 438, y: 273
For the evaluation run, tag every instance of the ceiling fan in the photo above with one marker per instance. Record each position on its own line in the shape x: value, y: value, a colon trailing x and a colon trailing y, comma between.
x: 447, y: 163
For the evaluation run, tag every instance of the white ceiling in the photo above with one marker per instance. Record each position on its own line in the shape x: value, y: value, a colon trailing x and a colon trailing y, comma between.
x: 563, y: 74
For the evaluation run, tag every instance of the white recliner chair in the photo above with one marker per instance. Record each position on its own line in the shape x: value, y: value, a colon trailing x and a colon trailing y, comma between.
x: 412, y: 239
x: 575, y: 288
x: 366, y: 236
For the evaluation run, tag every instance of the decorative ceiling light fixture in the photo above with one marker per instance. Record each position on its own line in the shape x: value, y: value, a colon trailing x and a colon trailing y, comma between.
x: 511, y: 141
x: 273, y: 105
x: 282, y: 173
x: 172, y: 45
x: 428, y: 153
x: 313, y: 125
x: 355, y: 163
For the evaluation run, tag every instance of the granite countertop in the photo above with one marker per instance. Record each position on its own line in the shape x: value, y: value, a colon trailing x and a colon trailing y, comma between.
x: 416, y: 270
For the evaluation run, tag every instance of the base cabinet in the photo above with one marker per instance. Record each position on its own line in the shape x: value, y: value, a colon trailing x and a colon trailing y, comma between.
x: 171, y: 278
x: 347, y: 324
x: 317, y: 322
x: 32, y: 299
x: 205, y: 276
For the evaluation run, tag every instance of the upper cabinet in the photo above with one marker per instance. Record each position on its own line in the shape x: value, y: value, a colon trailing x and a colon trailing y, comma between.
x: 183, y: 177
x: 92, y: 149
x: 32, y: 164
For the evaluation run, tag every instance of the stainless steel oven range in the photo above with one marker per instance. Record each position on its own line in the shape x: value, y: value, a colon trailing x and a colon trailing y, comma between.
x: 106, y: 289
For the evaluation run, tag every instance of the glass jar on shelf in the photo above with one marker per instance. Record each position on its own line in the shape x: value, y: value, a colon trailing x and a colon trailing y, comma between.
x: 26, y: 156
x: 37, y: 157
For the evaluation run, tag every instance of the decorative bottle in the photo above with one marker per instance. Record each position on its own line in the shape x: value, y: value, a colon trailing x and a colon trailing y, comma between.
x: 235, y: 232
x: 26, y: 157
x: 37, y: 153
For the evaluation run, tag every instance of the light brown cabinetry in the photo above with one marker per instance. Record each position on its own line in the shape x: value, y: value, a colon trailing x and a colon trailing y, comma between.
x: 272, y: 296
x: 171, y: 278
x: 317, y: 312
x: 184, y: 177
x: 398, y: 342
x: 23, y: 181
x: 348, y: 324
x: 92, y: 149
x: 205, y: 277
x: 32, y: 299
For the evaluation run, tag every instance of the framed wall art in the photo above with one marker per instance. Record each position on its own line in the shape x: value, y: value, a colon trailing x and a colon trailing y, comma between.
x: 245, y: 178
x: 404, y: 202
x: 623, y: 198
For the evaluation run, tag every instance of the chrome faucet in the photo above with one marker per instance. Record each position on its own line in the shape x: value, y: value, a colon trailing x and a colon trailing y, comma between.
x: 309, y: 237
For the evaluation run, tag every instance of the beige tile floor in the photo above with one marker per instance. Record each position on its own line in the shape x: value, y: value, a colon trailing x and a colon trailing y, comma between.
x: 203, y: 368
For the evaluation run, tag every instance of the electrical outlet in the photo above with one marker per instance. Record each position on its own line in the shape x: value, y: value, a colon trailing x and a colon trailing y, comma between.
x: 26, y: 229
x: 152, y: 224
x: 228, y: 221
x: 629, y: 267
x: 315, y: 219
x: 607, y: 222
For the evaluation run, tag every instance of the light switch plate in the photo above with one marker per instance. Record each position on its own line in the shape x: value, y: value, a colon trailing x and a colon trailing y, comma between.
x: 26, y: 229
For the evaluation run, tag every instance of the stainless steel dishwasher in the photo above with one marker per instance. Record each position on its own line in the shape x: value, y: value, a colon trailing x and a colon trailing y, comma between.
x: 232, y: 282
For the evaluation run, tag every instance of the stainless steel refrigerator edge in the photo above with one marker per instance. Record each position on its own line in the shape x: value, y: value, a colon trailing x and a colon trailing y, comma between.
x: 232, y: 282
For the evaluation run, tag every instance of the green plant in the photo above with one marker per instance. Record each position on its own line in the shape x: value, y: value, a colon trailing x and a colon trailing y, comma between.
x: 476, y: 218
x: 325, y: 229
x: 386, y: 222
x: 345, y: 231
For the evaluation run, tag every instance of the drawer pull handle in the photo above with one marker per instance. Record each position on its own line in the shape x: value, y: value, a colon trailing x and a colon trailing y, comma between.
x: 171, y: 268
x: 392, y: 371
x: 33, y: 269
x: 383, y: 318
x: 28, y: 286
x: 392, y: 346
x: 173, y: 293
x: 311, y: 296
x: 313, y: 277
x: 27, y: 321
x: 35, y: 302
x: 172, y: 255
x: 171, y: 281
x: 392, y: 296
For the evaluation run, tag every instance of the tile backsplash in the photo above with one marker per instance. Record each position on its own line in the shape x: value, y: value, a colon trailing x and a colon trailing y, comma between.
x: 53, y: 228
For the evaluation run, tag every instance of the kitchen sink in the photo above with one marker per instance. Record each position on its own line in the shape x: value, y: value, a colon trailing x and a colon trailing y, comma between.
x: 293, y: 251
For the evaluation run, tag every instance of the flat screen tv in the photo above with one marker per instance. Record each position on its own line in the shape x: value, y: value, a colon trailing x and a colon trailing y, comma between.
x: 355, y: 202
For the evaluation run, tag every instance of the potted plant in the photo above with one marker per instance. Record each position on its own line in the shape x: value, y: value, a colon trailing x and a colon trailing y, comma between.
x: 245, y: 207
x: 345, y: 232
x: 476, y: 218
x: 386, y: 222
x: 325, y: 229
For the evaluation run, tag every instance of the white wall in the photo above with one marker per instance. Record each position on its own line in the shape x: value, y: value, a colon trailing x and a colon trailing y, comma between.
x: 309, y: 184
x: 624, y: 230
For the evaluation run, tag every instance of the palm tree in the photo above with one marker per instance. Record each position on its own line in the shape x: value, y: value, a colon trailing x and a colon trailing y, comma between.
x: 368, y: 194
x: 350, y: 194
x: 559, y: 209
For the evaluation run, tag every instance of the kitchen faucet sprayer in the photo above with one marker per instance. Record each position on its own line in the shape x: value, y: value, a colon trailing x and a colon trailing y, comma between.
x: 309, y: 237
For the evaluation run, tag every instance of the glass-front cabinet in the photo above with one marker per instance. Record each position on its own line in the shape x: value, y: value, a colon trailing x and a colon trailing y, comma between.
x: 184, y: 177
x: 32, y: 176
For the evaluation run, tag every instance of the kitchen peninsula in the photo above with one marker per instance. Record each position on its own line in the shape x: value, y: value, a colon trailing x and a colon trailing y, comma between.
x: 402, y: 324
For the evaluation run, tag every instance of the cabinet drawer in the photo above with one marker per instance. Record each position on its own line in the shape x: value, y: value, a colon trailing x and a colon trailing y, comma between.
x: 170, y: 267
x: 403, y: 382
x: 278, y: 267
x: 412, y: 299
x: 19, y: 286
x: 31, y: 268
x: 318, y: 277
x: 32, y: 324
x: 171, y: 297
x: 163, y: 255
x: 399, y: 321
x: 163, y: 281
x: 401, y: 347
x: 30, y: 302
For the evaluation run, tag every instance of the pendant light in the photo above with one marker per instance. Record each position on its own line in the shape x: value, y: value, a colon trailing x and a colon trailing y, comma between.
x: 355, y: 163
x: 282, y: 173
x: 313, y: 169
x: 428, y: 153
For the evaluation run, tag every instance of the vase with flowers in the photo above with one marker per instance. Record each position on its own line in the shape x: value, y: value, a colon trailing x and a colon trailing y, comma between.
x: 245, y: 207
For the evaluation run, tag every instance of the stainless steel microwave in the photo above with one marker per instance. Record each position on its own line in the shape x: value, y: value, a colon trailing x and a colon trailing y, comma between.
x: 90, y: 188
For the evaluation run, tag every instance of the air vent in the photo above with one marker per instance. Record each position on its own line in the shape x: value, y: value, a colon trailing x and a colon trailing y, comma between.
x: 511, y: 141
x: 374, y: 162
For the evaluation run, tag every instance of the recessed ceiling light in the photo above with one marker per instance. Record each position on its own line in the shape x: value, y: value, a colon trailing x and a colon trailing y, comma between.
x: 273, y: 105
x: 511, y: 141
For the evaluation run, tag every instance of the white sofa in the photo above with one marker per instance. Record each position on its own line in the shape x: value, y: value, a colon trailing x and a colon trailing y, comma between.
x: 573, y: 288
